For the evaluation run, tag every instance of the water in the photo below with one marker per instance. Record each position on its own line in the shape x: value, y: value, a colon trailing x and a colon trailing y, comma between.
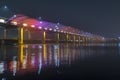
x: 60, y: 62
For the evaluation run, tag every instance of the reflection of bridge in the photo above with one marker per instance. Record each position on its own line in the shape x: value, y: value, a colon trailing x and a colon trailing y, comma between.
x: 32, y: 58
x: 22, y: 29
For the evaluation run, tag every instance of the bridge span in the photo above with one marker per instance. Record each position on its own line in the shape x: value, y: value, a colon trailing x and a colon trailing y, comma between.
x: 23, y: 29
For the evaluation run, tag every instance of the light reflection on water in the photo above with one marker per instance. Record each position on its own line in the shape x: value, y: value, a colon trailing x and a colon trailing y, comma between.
x: 22, y: 59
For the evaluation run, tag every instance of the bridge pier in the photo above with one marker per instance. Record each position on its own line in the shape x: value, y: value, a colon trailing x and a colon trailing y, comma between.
x: 58, y: 37
x: 67, y: 37
x: 79, y: 39
x: 44, y: 37
x: 74, y: 38
x: 21, y: 35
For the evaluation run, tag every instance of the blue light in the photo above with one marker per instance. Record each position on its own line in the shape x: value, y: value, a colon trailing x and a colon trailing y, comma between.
x: 118, y: 44
x: 40, y: 46
x: 5, y: 7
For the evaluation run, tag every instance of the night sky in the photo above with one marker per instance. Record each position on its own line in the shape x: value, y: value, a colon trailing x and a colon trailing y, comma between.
x: 100, y: 17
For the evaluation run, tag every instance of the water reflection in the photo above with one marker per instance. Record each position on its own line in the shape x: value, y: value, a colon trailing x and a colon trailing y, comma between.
x: 23, y: 59
x: 2, y: 67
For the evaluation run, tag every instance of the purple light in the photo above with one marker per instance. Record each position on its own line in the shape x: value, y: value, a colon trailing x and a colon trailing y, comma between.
x: 41, y: 22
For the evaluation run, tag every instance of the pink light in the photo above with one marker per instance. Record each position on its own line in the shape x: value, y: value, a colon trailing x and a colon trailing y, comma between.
x: 40, y: 27
x: 61, y: 31
x: 45, y: 28
x: 50, y: 29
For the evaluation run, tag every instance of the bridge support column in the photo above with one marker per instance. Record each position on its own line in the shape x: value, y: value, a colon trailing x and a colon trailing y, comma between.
x: 5, y: 33
x: 83, y: 39
x: 67, y: 37
x: 74, y: 38
x: 89, y: 39
x: 44, y: 37
x: 21, y: 35
x: 29, y: 35
x: 58, y: 37
x: 79, y: 39
x: 86, y: 39
x: 4, y: 36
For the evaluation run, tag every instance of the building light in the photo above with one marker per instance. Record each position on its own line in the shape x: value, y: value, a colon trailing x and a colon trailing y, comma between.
x: 2, y: 21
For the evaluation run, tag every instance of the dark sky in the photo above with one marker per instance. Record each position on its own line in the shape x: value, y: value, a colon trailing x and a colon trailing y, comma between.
x: 101, y: 17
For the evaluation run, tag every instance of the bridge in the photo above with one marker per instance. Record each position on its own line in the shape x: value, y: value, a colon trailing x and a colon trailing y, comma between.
x: 23, y: 29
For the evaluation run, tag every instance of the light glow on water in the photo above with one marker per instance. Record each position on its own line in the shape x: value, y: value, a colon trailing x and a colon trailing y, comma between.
x: 39, y: 57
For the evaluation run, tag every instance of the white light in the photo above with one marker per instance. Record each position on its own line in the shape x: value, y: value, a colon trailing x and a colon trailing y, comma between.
x: 1, y: 67
x: 50, y: 29
x: 76, y: 40
x: 45, y: 28
x: 2, y: 21
x: 15, y: 16
x: 103, y: 38
x: 40, y: 46
x: 24, y: 24
x: 55, y: 30
x: 32, y: 26
x: 15, y: 23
